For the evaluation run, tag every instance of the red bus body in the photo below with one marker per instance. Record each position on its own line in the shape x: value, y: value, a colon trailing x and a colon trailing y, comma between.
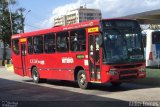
x: 66, y: 65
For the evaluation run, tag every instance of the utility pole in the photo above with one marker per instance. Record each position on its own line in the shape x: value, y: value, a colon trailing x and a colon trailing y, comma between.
x: 10, y: 13
x: 10, y: 16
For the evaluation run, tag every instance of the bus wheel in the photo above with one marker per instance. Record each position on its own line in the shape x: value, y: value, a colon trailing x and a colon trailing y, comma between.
x: 35, y: 75
x: 82, y: 80
x: 116, y: 83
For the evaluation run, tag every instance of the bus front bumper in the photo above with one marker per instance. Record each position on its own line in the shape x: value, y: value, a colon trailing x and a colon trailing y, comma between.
x: 127, y: 77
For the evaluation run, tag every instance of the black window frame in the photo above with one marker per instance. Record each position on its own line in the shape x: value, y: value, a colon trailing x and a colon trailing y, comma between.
x: 62, y: 43
x: 30, y: 47
x: 17, y: 51
x: 81, y: 43
x: 46, y: 43
x: 157, y: 39
x: 144, y: 40
x: 35, y: 45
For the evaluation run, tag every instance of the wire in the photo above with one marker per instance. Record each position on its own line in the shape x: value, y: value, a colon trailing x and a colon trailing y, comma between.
x: 34, y: 15
x: 39, y: 17
x: 33, y: 26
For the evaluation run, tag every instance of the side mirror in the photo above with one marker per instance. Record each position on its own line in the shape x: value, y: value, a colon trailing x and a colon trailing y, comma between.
x: 99, y: 40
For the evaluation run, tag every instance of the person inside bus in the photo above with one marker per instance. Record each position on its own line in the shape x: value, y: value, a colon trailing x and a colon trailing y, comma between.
x: 75, y: 44
x: 62, y: 44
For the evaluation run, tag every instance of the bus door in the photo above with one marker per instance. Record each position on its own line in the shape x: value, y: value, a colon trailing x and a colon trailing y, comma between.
x: 94, y: 58
x: 23, y: 58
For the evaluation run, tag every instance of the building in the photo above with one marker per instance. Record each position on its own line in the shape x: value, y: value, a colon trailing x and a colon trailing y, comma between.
x: 78, y: 15
x: 147, y: 17
x: 59, y: 21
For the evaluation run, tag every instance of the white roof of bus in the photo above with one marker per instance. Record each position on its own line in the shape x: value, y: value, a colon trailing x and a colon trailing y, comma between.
x: 148, y: 31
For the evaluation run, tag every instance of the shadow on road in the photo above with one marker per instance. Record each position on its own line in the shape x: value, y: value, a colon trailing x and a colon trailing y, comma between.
x: 152, y: 78
x: 101, y: 87
x: 26, y: 94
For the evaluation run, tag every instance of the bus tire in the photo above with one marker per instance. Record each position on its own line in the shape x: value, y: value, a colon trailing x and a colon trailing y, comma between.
x: 117, y: 84
x: 82, y: 80
x: 35, y: 75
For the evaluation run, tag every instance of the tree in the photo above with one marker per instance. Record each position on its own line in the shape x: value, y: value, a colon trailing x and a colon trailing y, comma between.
x: 10, y: 23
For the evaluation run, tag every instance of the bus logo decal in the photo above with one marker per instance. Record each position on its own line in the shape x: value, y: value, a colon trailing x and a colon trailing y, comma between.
x: 36, y: 61
x: 33, y: 61
x: 41, y: 62
x: 67, y: 60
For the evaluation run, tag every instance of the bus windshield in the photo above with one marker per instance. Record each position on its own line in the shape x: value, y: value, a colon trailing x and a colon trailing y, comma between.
x: 122, y: 45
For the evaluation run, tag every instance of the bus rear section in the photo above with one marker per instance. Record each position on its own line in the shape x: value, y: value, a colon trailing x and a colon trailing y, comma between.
x: 152, y: 49
x: 18, y: 48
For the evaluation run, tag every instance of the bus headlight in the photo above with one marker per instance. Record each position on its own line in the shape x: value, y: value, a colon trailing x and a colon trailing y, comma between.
x: 142, y: 69
x: 112, y: 71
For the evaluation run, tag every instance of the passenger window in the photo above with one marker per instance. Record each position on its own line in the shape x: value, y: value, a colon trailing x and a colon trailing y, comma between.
x: 78, y: 40
x: 30, y: 45
x: 62, y: 42
x: 49, y: 43
x: 15, y: 46
x: 38, y: 44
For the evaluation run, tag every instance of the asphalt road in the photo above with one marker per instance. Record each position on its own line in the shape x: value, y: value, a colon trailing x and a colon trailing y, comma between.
x: 17, y: 88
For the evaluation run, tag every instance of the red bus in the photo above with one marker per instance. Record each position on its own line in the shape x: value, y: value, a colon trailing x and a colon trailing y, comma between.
x: 97, y: 51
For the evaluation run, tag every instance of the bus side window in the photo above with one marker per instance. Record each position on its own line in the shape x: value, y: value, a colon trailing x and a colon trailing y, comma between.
x: 30, y: 45
x: 49, y: 43
x: 156, y: 37
x: 15, y: 46
x: 78, y: 40
x: 38, y: 44
x: 62, y: 42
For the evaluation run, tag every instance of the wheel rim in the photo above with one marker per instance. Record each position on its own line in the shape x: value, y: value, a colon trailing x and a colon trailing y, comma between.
x: 82, y: 79
x: 35, y: 75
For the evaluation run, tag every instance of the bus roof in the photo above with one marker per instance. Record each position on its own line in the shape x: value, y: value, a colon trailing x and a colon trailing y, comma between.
x: 58, y: 29
x: 149, y: 31
x: 90, y: 23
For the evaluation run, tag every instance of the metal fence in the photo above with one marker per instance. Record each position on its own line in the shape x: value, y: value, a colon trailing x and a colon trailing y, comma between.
x: 8, y: 53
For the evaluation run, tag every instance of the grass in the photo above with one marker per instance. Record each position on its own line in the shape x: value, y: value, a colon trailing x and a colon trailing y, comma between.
x: 0, y: 62
x: 152, y: 78
x: 153, y: 73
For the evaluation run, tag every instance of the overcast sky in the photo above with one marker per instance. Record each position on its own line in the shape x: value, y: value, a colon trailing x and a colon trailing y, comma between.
x: 43, y: 11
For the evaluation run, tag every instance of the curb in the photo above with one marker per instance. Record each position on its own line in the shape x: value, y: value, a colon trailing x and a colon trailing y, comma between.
x: 9, y: 67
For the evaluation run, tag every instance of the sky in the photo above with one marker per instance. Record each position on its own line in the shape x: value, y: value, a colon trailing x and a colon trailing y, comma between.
x: 39, y: 14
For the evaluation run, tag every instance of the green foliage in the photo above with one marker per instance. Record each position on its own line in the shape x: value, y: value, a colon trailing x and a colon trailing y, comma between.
x: 9, y: 19
x: 10, y: 23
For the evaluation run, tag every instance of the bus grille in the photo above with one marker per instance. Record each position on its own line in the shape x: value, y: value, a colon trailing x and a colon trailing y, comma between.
x: 128, y: 72
x: 128, y: 77
x: 128, y: 66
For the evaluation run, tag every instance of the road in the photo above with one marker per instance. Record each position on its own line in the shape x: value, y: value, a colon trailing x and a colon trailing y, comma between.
x: 17, y: 88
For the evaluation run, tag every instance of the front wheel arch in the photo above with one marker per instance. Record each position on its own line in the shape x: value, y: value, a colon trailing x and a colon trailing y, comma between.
x: 36, y: 76
x: 76, y: 70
